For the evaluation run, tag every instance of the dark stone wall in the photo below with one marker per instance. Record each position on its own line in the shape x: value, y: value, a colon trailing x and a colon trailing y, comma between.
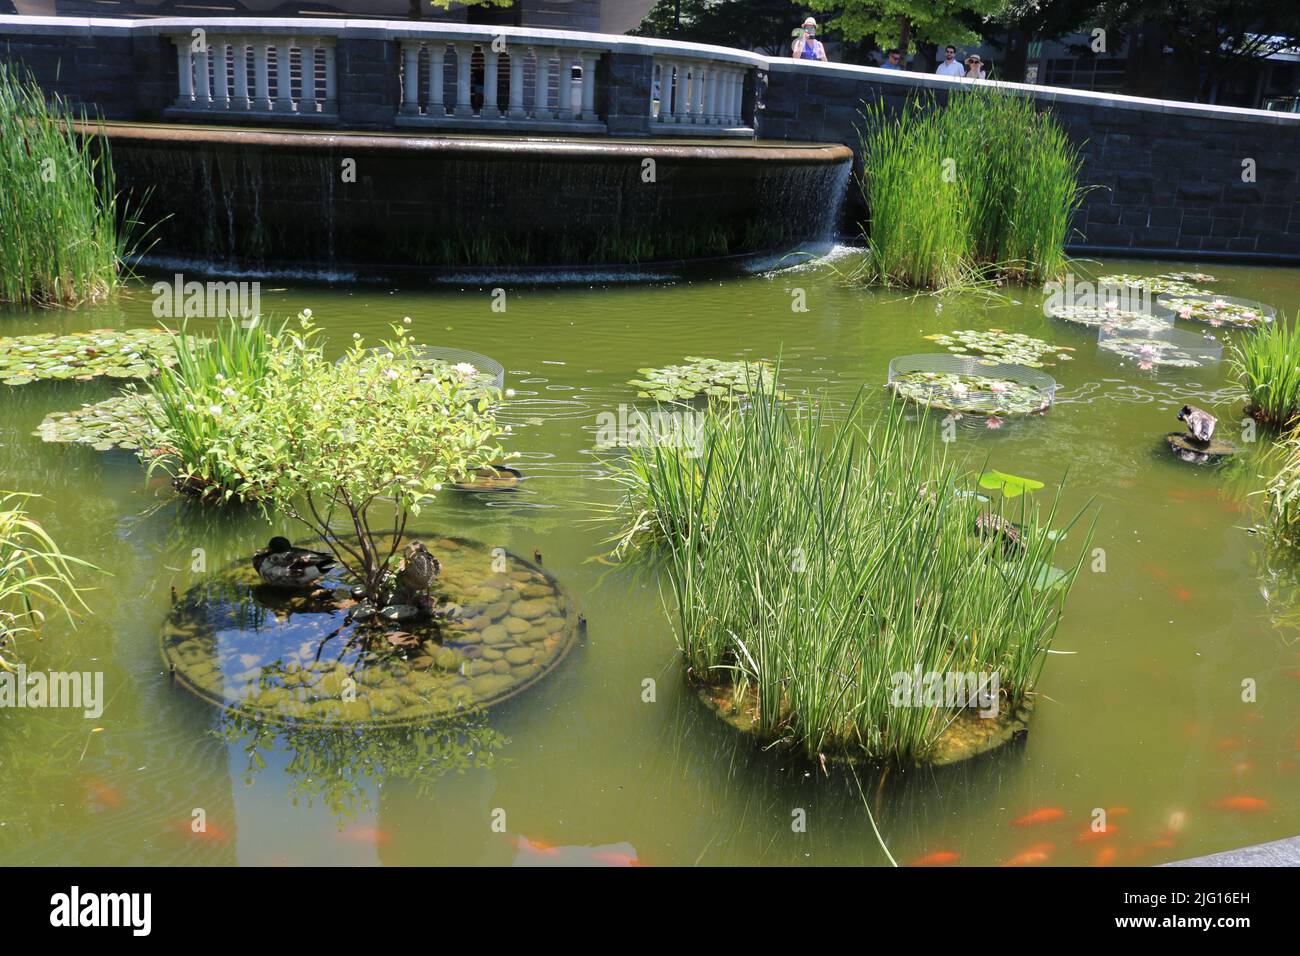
x: 369, y: 83
x: 625, y: 82
x: 1168, y: 179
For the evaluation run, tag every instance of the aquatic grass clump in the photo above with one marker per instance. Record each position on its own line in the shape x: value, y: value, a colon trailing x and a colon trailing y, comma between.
x: 33, y: 570
x: 985, y: 185
x: 190, y: 406
x: 60, y: 239
x: 813, y: 562
x: 1267, y: 365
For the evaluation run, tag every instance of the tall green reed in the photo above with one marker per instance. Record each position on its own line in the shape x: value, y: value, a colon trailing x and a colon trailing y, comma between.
x: 812, y: 561
x: 214, y: 378
x: 984, y: 185
x: 60, y: 240
x: 1266, y: 363
x: 33, y: 571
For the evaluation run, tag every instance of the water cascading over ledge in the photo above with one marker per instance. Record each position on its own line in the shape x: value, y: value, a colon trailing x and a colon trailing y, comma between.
x: 240, y: 199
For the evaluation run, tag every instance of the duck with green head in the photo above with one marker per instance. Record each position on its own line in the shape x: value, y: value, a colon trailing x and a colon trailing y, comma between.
x: 282, y: 565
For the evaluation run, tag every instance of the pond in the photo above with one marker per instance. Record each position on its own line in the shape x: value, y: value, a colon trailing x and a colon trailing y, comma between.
x: 611, y: 758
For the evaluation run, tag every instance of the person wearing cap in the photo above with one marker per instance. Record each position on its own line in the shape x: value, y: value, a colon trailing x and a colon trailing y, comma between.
x: 806, y: 46
x: 974, y: 67
x: 893, y: 60
x: 950, y: 66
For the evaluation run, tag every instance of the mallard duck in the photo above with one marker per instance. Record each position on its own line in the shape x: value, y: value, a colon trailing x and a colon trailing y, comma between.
x: 418, y: 570
x: 282, y: 565
x: 1199, y: 423
x: 991, y: 525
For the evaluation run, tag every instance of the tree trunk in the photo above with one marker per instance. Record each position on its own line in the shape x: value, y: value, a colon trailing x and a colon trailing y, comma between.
x: 904, y: 37
x: 413, y: 10
x: 1016, y: 57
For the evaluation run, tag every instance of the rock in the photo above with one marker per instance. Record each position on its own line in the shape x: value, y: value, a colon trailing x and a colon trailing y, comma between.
x: 475, y: 668
x: 514, y: 625
x: 492, y: 654
x: 363, y: 612
x: 496, y: 634
x: 358, y: 592
x: 501, y: 667
x: 520, y: 655
x: 399, y: 612
x: 447, y: 659
x: 533, y: 609
x: 1198, y: 452
x: 490, y: 684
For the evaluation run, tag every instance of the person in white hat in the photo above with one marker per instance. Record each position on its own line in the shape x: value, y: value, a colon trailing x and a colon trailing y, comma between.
x: 806, y: 46
x: 974, y: 67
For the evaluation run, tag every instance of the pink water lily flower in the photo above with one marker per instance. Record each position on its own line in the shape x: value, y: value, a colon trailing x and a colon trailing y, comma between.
x: 1217, y: 304
x: 993, y: 422
x: 1185, y: 312
x: 998, y: 387
x: 1145, y: 366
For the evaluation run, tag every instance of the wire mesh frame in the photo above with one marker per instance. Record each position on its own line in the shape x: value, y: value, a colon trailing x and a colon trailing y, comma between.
x: 1035, y: 392
x: 491, y: 371
x: 1168, y: 347
x: 1266, y: 313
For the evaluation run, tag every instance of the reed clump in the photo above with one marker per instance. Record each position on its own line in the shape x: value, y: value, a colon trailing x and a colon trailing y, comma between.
x: 60, y: 239
x: 1266, y: 363
x: 983, y: 186
x: 813, y: 562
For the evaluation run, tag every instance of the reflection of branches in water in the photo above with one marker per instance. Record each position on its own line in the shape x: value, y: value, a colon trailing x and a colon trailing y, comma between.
x: 339, y: 767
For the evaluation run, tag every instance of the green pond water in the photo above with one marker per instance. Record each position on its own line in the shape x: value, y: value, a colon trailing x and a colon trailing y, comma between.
x: 1143, y: 712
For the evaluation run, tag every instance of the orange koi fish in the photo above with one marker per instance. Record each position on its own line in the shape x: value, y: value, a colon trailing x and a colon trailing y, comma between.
x: 1042, y: 815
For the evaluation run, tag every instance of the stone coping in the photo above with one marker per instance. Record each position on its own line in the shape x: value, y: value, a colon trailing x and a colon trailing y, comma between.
x: 11, y: 25
x: 594, y: 148
x: 1277, y: 853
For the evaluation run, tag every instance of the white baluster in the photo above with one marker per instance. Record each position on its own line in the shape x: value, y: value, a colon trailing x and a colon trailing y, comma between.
x: 283, y: 84
x: 307, y: 57
x: 738, y: 97
x: 464, y: 57
x: 410, y: 77
x: 729, y: 103
x: 437, y: 105
x: 517, y: 111
x: 185, y: 73
x: 490, y: 108
x: 679, y: 93
x: 261, y: 77
x: 220, y: 78
x: 331, y: 80
x: 711, y: 97
x: 239, y: 57
x: 202, y: 91
x: 542, y: 83
x: 589, y: 61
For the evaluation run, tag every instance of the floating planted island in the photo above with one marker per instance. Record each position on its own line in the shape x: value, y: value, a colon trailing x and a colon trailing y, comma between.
x: 499, y: 625
x: 1196, y: 452
x: 841, y: 589
x: 1008, y: 348
x: 1178, y: 283
x: 964, y: 384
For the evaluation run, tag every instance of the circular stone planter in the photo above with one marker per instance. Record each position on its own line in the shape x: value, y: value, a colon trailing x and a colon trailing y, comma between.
x: 968, y: 736
x: 502, y: 624
x: 1217, y: 310
x: 1199, y: 452
x: 969, y: 384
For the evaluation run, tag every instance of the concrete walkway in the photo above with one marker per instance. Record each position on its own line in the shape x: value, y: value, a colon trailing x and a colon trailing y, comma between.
x: 1278, y: 853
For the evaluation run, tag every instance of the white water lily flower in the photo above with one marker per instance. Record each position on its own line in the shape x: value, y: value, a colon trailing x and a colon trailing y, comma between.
x: 465, y: 369
x: 406, y: 320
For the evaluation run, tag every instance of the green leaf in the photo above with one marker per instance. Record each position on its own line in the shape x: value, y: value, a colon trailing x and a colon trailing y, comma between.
x: 1012, y: 486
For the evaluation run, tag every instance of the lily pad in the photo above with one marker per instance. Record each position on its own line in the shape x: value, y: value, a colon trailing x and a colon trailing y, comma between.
x: 128, y: 353
x: 714, y: 379
x: 118, y: 422
x: 1151, y: 283
x: 1011, y: 486
x: 1012, y: 348
x: 976, y: 394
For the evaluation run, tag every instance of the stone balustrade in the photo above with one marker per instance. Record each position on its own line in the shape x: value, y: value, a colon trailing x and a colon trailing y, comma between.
x: 499, y: 84
x: 694, y: 92
x: 249, y: 73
